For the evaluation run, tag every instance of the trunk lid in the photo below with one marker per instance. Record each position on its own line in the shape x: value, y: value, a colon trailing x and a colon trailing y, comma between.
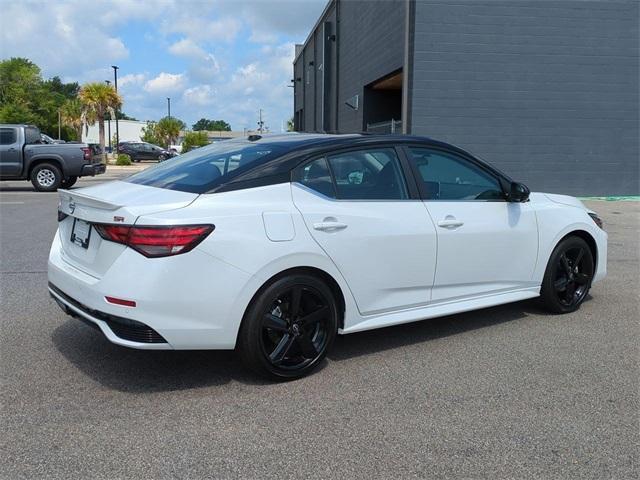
x: 119, y: 203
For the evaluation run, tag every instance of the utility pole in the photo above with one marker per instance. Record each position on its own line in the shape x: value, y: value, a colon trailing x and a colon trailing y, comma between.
x: 59, y: 121
x: 115, y: 79
x: 260, y: 122
x: 168, y: 107
x: 108, y: 82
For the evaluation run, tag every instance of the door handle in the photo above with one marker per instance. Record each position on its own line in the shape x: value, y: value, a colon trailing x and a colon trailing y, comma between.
x: 450, y: 222
x: 329, y: 226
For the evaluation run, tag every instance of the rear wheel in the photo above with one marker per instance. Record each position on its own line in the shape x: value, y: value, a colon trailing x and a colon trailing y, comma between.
x: 568, y: 277
x: 289, y: 327
x: 69, y: 182
x: 46, y: 177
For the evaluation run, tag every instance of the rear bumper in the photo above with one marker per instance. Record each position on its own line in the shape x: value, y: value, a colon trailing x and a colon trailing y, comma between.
x: 93, y: 169
x: 186, y: 302
x: 118, y: 330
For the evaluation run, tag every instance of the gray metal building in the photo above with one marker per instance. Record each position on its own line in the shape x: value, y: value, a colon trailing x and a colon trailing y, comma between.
x: 545, y: 90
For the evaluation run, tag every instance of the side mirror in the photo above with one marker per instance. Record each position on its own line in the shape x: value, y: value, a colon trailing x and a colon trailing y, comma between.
x: 519, y: 193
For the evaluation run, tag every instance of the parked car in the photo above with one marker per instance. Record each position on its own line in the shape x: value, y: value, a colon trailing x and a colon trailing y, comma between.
x: 24, y: 156
x: 275, y: 244
x: 47, y: 139
x: 138, y: 151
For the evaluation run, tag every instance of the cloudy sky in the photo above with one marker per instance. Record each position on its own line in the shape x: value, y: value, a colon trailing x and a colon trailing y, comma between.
x: 218, y: 59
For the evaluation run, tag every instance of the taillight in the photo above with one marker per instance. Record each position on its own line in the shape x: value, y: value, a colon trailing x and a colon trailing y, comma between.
x: 86, y: 153
x: 156, y: 241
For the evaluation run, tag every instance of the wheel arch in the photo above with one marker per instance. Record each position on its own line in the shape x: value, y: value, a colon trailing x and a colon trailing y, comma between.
x: 315, y: 272
x: 586, y: 236
x: 39, y: 161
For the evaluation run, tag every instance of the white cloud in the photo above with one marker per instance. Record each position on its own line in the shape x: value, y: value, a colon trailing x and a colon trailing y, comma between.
x: 232, y: 57
x: 165, y: 83
x: 203, y: 28
x: 187, y: 48
x: 200, y: 95
x: 132, y: 79
x: 55, y: 36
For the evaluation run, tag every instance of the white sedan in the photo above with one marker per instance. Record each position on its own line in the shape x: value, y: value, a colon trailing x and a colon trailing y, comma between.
x: 275, y: 244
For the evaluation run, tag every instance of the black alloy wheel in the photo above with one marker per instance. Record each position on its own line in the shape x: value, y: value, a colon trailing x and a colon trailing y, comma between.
x: 569, y: 275
x: 289, y: 327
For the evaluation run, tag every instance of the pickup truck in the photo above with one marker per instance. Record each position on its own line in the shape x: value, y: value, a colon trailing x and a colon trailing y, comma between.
x: 25, y: 156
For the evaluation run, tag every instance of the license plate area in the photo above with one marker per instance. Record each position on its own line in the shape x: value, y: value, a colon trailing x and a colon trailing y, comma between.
x: 81, y: 233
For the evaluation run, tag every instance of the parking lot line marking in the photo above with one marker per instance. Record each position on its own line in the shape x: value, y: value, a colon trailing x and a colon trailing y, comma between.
x: 11, y: 203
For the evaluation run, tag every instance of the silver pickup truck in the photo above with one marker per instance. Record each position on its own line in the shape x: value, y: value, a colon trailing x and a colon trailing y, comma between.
x: 24, y: 156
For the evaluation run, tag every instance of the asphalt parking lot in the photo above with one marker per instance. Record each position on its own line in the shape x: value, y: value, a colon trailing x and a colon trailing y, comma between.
x: 506, y: 392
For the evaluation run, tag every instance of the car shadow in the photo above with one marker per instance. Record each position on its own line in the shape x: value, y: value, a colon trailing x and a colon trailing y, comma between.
x: 388, y: 338
x: 148, y: 371
x: 14, y: 188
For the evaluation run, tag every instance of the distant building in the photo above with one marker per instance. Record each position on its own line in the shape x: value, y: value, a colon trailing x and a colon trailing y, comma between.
x: 546, y: 91
x: 216, y: 136
x: 129, y: 130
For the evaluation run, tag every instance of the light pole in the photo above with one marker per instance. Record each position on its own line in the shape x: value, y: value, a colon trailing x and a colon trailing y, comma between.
x: 108, y: 82
x: 115, y: 80
x: 168, y: 107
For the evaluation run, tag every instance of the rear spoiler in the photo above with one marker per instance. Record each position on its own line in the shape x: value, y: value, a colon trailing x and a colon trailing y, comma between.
x: 69, y: 196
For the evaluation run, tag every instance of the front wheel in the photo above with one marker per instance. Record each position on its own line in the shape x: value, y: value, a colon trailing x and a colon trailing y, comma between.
x: 289, y: 327
x: 162, y: 158
x: 46, y: 177
x: 568, y: 277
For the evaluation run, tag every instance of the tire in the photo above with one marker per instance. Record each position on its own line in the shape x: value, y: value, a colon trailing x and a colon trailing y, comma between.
x: 161, y: 158
x: 46, y: 177
x: 69, y: 182
x: 568, y: 276
x: 282, y: 342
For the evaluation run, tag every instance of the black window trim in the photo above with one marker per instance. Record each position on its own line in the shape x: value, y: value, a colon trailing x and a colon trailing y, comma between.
x: 405, y: 169
x: 501, y: 179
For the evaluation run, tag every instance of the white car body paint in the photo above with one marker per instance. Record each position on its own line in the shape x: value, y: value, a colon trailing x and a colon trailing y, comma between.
x: 385, y: 261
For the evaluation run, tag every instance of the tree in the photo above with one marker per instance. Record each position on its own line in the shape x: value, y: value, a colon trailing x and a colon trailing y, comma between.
x: 211, y: 125
x: 291, y: 126
x: 26, y: 98
x: 98, y: 99
x: 150, y: 134
x: 194, y: 140
x: 168, y: 130
x: 72, y: 116
x: 21, y: 92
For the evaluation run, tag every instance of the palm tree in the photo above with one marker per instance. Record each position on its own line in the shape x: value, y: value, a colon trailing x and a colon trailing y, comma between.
x: 98, y: 99
x: 168, y: 130
x: 71, y: 111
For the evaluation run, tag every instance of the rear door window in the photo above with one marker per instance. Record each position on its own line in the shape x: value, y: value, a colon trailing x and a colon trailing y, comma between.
x: 371, y: 174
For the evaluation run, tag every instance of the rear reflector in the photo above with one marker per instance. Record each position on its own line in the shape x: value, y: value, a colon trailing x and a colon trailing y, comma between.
x: 120, y: 301
x: 156, y: 241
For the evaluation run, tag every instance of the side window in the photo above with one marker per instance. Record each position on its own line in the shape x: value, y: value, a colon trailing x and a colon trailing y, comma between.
x: 7, y: 136
x: 315, y: 175
x: 368, y: 175
x: 446, y: 176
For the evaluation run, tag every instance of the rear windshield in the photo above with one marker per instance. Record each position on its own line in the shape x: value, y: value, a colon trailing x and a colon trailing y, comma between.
x: 203, y: 169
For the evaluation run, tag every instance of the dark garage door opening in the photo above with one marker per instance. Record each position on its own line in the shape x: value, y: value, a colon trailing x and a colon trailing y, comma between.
x: 383, y: 104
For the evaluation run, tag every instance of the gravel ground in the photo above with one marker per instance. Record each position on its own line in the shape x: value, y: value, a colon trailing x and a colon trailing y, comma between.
x: 506, y: 392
